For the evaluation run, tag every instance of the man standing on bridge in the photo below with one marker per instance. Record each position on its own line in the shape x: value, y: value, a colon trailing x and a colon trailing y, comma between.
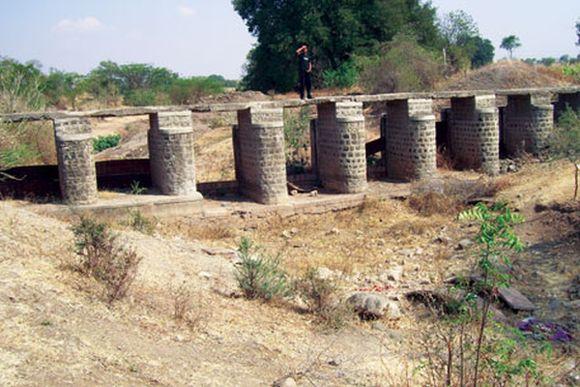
x: 304, y: 71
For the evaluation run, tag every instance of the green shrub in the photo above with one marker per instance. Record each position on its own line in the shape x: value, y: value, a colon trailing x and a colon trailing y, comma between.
x: 402, y: 66
x: 260, y: 276
x: 105, y: 142
x: 103, y: 258
x: 186, y: 91
x: 346, y: 75
x: 141, y: 97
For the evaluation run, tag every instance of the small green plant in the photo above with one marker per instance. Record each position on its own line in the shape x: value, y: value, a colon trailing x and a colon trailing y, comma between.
x: 104, y: 258
x: 260, y: 276
x: 141, y: 223
x: 105, y: 142
x: 137, y: 189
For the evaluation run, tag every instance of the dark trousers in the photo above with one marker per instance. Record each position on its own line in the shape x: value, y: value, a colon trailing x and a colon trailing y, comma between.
x: 305, y: 82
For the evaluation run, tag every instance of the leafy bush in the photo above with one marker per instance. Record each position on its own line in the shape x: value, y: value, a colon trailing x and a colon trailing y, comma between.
x: 346, y: 75
x: 186, y: 91
x: 259, y: 276
x: 103, y: 258
x: 105, y: 142
x: 402, y: 66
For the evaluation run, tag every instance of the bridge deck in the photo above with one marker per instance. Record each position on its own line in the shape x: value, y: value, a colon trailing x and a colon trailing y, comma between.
x: 287, y: 103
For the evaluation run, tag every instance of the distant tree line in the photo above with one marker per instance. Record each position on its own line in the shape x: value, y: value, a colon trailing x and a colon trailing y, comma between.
x: 351, y: 39
x: 108, y: 84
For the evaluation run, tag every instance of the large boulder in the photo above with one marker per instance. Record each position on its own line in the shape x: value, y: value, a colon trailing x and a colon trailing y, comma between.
x: 372, y: 306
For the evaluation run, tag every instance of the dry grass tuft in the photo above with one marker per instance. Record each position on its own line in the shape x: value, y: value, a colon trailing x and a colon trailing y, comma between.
x: 449, y: 196
x: 103, y: 258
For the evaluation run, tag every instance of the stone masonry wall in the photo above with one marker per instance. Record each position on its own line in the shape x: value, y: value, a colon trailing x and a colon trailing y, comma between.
x: 260, y: 155
x: 76, y: 164
x: 341, y: 137
x: 528, y: 122
x: 410, y: 139
x: 171, y: 155
x: 474, y: 133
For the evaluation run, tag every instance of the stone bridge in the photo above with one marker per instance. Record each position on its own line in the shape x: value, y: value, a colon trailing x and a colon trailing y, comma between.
x: 339, y: 150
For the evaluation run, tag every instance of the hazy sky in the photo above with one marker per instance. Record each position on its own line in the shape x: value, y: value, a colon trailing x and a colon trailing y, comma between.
x: 202, y: 37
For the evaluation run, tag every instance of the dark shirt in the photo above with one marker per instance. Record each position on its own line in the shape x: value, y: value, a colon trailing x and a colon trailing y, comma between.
x: 304, y: 63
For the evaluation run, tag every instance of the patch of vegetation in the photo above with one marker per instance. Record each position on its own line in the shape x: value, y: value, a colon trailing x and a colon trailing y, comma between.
x: 139, y: 222
x: 565, y: 141
x: 260, y: 276
x: 103, y: 258
x: 403, y: 65
x: 297, y: 138
x: 465, y: 346
x: 449, y: 196
x: 321, y: 297
x: 105, y: 142
x: 137, y: 189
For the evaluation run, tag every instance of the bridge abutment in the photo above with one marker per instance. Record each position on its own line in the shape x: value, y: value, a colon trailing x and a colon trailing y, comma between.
x: 76, y: 164
x: 528, y: 122
x: 260, y: 155
x: 341, y: 137
x: 171, y: 154
x: 474, y: 133
x: 410, y: 139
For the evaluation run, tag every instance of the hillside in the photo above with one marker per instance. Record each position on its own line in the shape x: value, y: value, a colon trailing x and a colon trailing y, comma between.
x: 506, y: 75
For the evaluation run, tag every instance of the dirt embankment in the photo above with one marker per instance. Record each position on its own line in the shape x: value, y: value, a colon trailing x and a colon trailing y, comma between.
x: 507, y: 75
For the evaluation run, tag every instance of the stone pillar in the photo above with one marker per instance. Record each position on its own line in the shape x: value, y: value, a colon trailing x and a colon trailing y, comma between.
x: 528, y: 121
x: 76, y: 164
x: 261, y: 157
x: 410, y: 139
x: 474, y: 133
x: 171, y: 156
x: 567, y: 99
x: 341, y: 140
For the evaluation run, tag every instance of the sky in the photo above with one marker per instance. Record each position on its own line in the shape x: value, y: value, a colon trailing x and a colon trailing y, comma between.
x: 203, y: 37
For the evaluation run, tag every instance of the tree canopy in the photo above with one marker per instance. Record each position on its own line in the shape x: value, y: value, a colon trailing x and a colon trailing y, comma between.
x: 510, y: 43
x: 337, y: 30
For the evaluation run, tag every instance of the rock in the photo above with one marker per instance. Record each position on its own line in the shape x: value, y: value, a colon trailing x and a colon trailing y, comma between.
x: 371, y: 306
x: 515, y: 300
x: 205, y: 274
x: 285, y: 382
x: 313, y: 193
x: 464, y: 244
x: 418, y: 251
x: 293, y: 192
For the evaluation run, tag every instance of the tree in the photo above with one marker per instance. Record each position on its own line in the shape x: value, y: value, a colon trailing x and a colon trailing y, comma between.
x: 510, y: 43
x: 60, y: 84
x: 484, y: 52
x: 463, y: 42
x: 336, y: 31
